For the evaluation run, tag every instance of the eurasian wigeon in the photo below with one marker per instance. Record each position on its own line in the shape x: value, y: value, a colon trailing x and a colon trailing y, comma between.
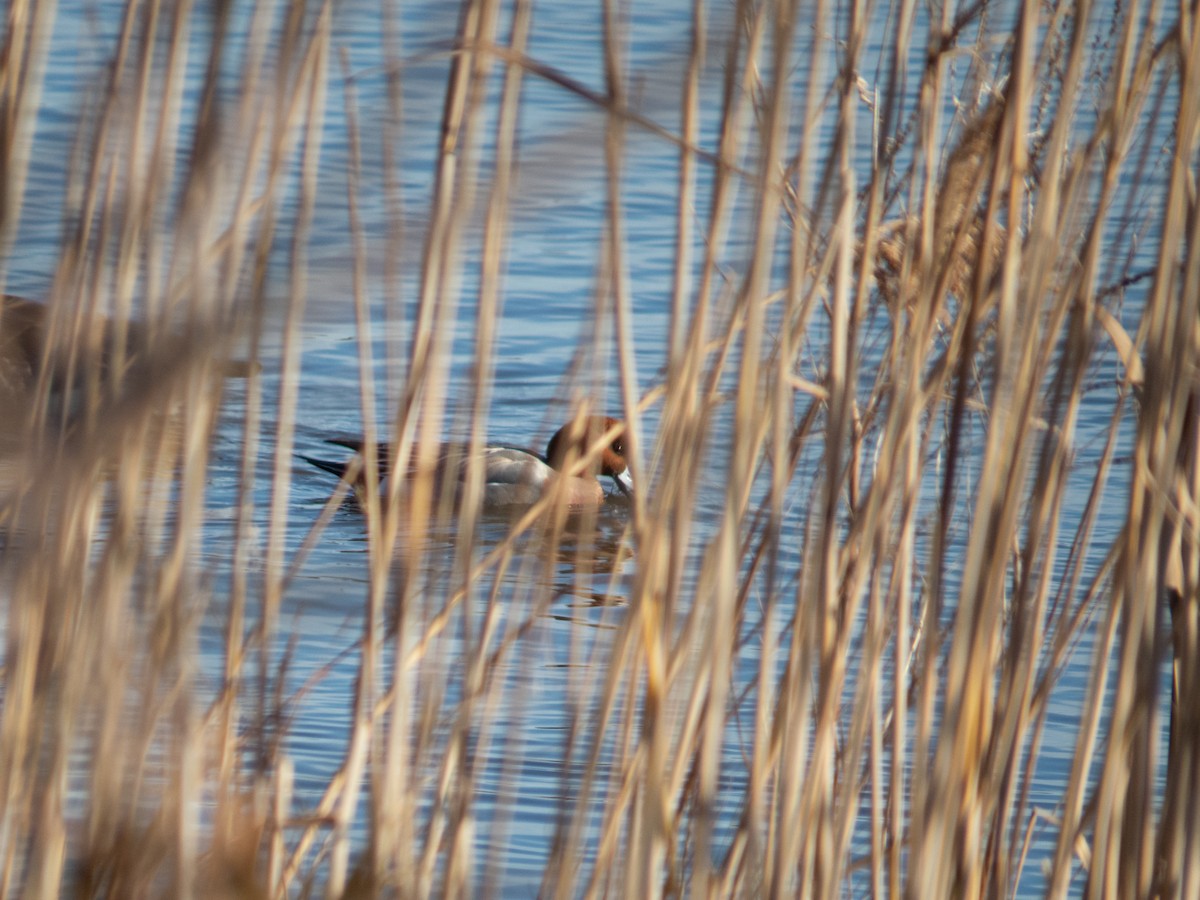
x: 516, y: 477
x: 28, y: 346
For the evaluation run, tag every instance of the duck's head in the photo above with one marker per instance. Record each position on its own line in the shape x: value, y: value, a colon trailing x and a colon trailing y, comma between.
x: 571, y: 442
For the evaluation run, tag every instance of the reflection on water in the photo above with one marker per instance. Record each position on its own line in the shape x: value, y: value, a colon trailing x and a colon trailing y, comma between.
x: 552, y: 601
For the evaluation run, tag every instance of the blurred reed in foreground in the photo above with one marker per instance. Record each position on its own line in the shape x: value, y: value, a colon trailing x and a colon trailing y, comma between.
x: 904, y: 400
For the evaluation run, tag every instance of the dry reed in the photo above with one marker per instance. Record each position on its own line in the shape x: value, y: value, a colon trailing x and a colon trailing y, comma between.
x: 885, y: 363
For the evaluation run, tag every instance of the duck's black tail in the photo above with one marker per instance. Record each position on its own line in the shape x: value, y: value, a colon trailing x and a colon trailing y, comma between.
x: 327, y: 465
x: 353, y: 466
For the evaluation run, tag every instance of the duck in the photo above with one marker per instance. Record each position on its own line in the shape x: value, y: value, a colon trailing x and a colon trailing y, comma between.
x: 515, y: 477
x: 29, y: 344
x: 61, y: 385
x: 70, y: 354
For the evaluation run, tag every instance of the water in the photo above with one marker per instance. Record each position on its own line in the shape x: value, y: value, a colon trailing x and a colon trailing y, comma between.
x: 548, y: 285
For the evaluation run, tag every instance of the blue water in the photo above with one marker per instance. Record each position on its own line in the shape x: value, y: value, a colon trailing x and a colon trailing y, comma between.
x: 549, y: 282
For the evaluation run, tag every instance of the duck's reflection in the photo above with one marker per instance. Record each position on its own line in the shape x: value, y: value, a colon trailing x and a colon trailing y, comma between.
x: 562, y: 560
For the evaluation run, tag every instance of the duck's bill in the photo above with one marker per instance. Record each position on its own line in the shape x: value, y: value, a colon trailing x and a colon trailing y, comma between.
x: 624, y: 483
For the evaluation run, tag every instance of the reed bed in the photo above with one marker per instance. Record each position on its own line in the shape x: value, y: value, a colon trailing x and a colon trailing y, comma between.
x: 911, y: 243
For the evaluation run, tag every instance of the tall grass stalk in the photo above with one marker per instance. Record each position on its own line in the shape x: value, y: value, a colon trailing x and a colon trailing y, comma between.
x: 863, y: 551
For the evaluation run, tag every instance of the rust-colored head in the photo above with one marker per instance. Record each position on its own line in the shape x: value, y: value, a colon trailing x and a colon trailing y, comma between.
x: 572, y: 441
